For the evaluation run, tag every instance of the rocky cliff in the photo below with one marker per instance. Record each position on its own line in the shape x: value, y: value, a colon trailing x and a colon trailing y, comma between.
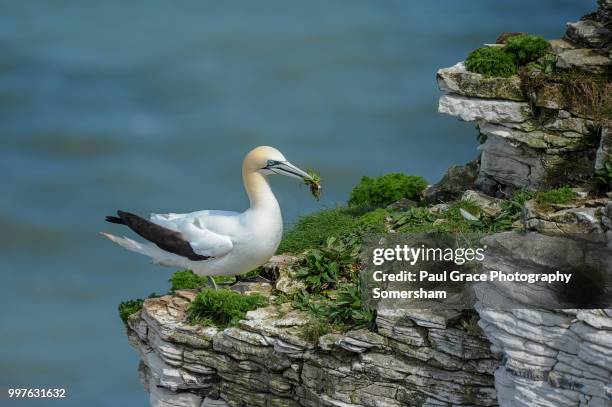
x: 271, y: 359
x: 536, y: 137
x: 538, y: 130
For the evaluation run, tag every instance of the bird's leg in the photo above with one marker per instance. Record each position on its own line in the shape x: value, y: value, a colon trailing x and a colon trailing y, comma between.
x: 212, y: 282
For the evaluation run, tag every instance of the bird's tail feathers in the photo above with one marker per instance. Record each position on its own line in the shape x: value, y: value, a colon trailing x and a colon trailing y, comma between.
x: 157, y: 255
x: 128, y: 243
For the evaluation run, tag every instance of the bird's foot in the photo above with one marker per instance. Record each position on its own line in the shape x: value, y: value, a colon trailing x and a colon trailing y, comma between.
x: 213, y: 282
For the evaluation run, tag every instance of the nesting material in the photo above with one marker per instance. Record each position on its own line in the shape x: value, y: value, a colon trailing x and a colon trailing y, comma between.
x: 314, y: 183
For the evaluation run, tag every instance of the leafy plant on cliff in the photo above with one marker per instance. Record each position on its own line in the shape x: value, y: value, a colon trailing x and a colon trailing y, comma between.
x: 387, y: 189
x: 511, y: 210
x: 526, y: 48
x: 331, y: 274
x: 347, y: 308
x: 491, y: 61
x: 338, y: 309
x: 546, y: 64
x: 222, y: 307
x: 323, y: 267
x: 449, y: 220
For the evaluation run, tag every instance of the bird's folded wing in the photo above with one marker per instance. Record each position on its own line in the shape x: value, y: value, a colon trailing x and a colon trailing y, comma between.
x: 204, y: 241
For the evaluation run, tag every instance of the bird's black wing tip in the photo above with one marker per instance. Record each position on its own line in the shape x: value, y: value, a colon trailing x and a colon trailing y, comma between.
x: 114, y: 219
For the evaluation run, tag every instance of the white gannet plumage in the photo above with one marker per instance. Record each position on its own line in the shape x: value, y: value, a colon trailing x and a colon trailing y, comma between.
x: 213, y: 242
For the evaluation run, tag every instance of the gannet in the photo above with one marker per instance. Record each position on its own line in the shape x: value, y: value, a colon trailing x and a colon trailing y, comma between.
x: 214, y: 242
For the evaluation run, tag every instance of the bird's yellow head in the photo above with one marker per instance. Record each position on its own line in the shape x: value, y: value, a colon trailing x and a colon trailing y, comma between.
x: 268, y: 160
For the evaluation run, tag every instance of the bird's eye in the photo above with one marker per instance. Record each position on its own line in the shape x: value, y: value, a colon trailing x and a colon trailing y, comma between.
x: 271, y: 162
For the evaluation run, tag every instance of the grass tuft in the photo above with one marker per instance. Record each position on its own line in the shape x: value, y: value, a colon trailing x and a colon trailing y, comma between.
x: 374, y: 221
x: 558, y: 196
x: 314, y: 229
x: 186, y: 280
x: 588, y: 94
x: 222, y: 307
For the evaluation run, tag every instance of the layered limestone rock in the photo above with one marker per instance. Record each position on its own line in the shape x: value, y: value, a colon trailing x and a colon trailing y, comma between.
x: 584, y: 216
x: 275, y: 358
x: 532, y: 129
x: 551, y: 357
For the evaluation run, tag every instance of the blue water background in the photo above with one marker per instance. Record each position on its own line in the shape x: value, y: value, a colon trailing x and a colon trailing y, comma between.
x: 150, y: 106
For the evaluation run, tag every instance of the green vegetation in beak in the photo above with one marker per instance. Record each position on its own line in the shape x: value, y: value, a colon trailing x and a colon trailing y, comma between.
x: 314, y: 183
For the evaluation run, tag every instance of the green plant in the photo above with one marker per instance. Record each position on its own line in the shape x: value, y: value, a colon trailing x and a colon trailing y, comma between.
x: 323, y: 267
x: 511, y: 210
x: 332, y: 291
x: 526, y: 48
x: 129, y: 307
x: 314, y: 183
x: 222, y: 307
x: 422, y: 220
x: 347, y: 308
x: 339, y: 309
x: 414, y: 219
x: 559, y: 196
x: 308, y: 301
x: 546, y: 64
x: 491, y: 61
x: 384, y: 190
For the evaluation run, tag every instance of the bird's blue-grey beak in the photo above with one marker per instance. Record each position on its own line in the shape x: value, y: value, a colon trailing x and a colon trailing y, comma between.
x: 288, y: 169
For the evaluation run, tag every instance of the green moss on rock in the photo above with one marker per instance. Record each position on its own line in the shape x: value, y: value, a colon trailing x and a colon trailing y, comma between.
x: 491, y: 61
x: 504, y: 61
x: 457, y: 79
x: 526, y: 47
